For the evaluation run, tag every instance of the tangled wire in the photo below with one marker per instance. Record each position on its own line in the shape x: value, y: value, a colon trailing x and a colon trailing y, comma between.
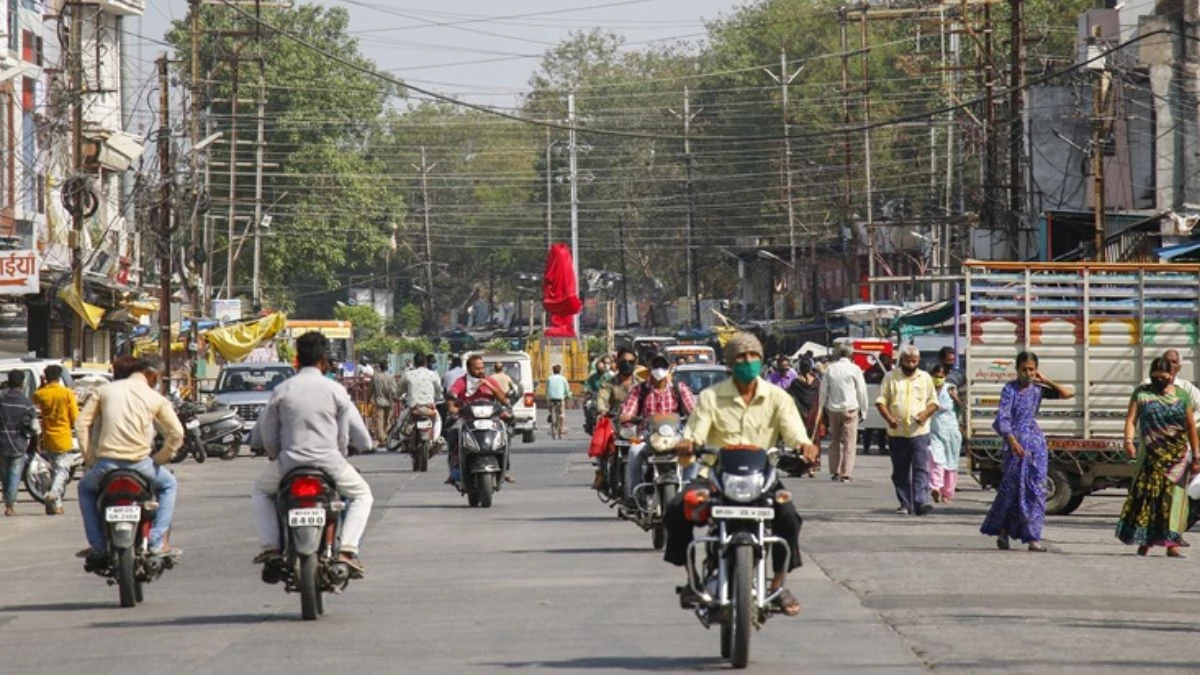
x: 78, y: 192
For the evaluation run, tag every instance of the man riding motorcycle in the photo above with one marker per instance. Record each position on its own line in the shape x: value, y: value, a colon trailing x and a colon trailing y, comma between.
x: 310, y: 422
x: 474, y: 386
x: 658, y: 395
x: 116, y: 431
x: 612, y: 396
x: 420, y: 386
x: 743, y: 410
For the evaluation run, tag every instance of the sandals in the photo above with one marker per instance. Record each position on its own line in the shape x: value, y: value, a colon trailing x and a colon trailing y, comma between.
x: 1036, y: 547
x: 786, y: 603
x: 1174, y: 552
x: 1002, y: 542
x: 266, y: 555
x: 357, y: 569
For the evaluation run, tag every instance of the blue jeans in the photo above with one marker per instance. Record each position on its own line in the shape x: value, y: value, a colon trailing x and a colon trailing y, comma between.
x: 11, y: 469
x: 162, y: 481
x: 910, y: 470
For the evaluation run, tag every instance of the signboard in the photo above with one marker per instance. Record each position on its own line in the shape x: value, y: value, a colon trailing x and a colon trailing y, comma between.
x: 227, y: 310
x: 19, y: 272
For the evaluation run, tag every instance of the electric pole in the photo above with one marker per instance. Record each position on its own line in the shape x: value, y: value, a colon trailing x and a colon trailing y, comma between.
x: 549, y: 193
x: 574, y: 198
x: 77, y: 87
x: 164, y: 221
x: 424, y: 169
x: 866, y: 102
x: 260, y: 143
x: 1101, y: 98
x: 1016, y: 124
x: 624, y: 283
x: 690, y: 233
x: 230, y: 261
x: 784, y: 79
x: 197, y: 281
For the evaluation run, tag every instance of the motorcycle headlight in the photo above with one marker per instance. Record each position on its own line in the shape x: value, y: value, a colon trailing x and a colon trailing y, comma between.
x: 498, y: 441
x: 663, y: 443
x: 468, y: 441
x: 743, y: 488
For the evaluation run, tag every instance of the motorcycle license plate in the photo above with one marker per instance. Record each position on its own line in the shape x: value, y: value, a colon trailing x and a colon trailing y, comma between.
x: 123, y: 514
x: 743, y: 513
x: 483, y: 424
x: 306, y: 517
x: 424, y: 424
x: 193, y: 424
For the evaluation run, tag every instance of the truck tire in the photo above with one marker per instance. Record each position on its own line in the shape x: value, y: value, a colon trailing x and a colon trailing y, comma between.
x: 1073, y: 504
x: 1059, y: 492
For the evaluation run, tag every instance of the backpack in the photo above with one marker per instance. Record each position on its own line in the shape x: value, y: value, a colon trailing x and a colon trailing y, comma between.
x: 644, y: 393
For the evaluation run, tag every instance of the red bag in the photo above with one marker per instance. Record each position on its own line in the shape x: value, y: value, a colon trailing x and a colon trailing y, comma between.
x: 602, y: 435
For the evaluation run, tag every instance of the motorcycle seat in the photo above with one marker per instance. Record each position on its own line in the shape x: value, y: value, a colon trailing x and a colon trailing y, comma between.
x: 423, y: 411
x: 306, y: 471
x: 115, y: 474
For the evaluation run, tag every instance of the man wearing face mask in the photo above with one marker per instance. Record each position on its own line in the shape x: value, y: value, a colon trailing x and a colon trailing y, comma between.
x: 749, y: 411
x: 611, y: 397
x: 660, y: 394
x: 907, y: 401
x: 475, y: 385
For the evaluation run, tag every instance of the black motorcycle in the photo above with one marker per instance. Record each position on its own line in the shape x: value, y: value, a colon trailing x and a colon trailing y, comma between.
x: 310, y: 522
x: 589, y: 413
x: 216, y: 432
x: 661, y: 477
x: 127, y: 503
x: 617, y: 465
x: 415, y: 436
x: 733, y: 576
x: 483, y: 440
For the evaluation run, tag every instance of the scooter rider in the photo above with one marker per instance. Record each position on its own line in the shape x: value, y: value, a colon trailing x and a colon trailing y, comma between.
x: 474, y: 386
x: 310, y: 422
x: 658, y: 395
x: 743, y: 410
x: 420, y: 386
x: 116, y: 431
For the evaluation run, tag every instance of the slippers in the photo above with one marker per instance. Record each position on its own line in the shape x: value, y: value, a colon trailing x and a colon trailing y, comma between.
x: 357, y: 569
x: 787, y: 603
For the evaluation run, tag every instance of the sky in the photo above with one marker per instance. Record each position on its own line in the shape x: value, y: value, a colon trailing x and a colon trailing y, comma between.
x: 480, y: 50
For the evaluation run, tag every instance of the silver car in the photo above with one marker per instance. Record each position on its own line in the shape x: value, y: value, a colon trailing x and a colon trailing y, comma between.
x: 246, y: 387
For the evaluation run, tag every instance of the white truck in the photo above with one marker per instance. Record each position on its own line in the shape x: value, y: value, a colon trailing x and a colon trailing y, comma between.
x: 1094, y: 327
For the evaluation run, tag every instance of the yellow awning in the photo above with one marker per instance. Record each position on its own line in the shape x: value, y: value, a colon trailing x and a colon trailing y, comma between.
x: 90, y: 314
x: 236, y: 342
x: 140, y: 308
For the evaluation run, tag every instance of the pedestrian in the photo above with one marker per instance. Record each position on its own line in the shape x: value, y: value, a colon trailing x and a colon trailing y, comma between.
x: 783, y: 376
x: 454, y: 373
x: 1156, y: 509
x: 1019, y: 509
x: 907, y: 401
x: 18, y: 424
x: 558, y: 390
x: 59, y: 410
x: 945, y: 440
x: 383, y: 397
x: 806, y: 392
x: 843, y: 398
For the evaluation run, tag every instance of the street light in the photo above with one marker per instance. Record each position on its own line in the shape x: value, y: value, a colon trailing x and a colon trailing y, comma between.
x: 767, y: 255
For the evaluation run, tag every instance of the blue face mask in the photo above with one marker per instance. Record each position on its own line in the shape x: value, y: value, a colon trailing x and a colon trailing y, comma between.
x: 745, y: 372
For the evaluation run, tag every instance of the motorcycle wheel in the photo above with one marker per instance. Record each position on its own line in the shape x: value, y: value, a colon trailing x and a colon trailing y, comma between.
x: 138, y: 592
x: 658, y: 536
x: 231, y: 451
x: 726, y: 639
x: 742, y: 612
x: 126, y: 585
x: 38, y: 477
x: 422, y: 457
x: 484, y: 486
x: 200, y: 454
x: 310, y: 595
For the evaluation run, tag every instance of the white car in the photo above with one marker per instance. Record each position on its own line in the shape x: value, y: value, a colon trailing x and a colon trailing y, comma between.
x: 519, y: 367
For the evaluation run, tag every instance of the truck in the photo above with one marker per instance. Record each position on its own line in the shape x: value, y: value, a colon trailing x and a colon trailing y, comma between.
x: 1095, y: 327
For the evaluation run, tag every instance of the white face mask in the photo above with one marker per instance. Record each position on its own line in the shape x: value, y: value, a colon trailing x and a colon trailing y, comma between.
x: 658, y: 373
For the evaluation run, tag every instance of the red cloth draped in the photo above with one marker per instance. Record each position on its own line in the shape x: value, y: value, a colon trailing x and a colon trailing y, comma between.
x: 560, y: 293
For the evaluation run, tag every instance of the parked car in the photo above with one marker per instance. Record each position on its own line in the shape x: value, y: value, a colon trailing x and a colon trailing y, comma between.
x: 700, y: 376
x: 246, y: 387
x: 519, y: 367
x: 34, y: 368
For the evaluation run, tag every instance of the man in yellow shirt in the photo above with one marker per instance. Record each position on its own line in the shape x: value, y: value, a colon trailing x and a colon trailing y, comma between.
x: 907, y: 400
x: 59, y: 411
x: 744, y: 410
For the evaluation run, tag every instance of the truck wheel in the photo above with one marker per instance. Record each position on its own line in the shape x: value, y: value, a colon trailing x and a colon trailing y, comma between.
x: 1073, y: 504
x: 1058, y: 492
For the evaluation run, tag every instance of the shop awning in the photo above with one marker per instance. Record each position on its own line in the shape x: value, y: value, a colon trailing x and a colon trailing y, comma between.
x: 91, y: 314
x: 1176, y: 251
x: 926, y: 317
x: 235, y: 342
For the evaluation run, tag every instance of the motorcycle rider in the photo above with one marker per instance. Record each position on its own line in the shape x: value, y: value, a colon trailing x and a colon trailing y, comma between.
x: 116, y: 431
x: 599, y: 377
x: 310, y: 422
x: 611, y: 397
x: 474, y: 386
x: 743, y: 410
x: 419, y: 387
x: 660, y: 394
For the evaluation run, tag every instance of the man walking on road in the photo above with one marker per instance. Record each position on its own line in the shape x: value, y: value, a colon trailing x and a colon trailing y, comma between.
x: 907, y: 401
x: 59, y: 411
x: 18, y: 424
x: 558, y: 390
x: 843, y: 398
x: 383, y: 397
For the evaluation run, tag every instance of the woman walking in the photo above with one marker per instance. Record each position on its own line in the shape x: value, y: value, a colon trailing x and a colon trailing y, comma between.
x: 805, y: 390
x: 1020, y: 505
x: 945, y: 441
x: 1155, y: 512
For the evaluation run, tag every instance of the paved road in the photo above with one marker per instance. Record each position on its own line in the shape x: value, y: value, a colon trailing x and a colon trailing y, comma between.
x: 548, y: 580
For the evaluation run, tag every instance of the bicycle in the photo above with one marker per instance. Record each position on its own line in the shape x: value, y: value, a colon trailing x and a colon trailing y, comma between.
x: 556, y: 425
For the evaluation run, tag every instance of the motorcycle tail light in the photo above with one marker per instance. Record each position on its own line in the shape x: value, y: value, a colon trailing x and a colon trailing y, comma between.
x: 529, y: 399
x: 306, y: 487
x: 123, y: 486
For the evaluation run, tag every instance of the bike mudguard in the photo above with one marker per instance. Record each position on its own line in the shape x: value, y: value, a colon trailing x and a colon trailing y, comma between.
x: 485, y: 464
x: 306, y: 540
x: 122, y: 535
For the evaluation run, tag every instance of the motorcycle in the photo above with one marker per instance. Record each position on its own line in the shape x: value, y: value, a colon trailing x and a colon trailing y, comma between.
x: 217, y: 432
x: 416, y: 436
x: 128, y: 504
x: 310, y: 518
x: 732, y: 579
x: 589, y: 413
x: 482, y: 451
x: 617, y: 465
x: 661, y: 479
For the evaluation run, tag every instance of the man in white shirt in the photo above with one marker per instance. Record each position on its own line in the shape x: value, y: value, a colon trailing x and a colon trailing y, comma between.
x: 454, y: 373
x: 843, y: 398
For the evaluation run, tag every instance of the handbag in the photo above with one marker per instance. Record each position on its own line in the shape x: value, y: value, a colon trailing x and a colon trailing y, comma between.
x: 601, y: 437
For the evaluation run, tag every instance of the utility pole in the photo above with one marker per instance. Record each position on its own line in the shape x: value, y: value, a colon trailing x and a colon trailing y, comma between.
x: 549, y: 192
x: 693, y: 281
x: 991, y: 160
x: 866, y: 102
x: 624, y: 279
x: 260, y: 143
x: 430, y: 316
x: 847, y: 184
x: 164, y: 221
x: 1016, y: 113
x: 574, y: 196
x: 200, y: 288
x: 230, y: 264
x: 77, y: 87
x: 784, y: 79
x: 1101, y: 98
